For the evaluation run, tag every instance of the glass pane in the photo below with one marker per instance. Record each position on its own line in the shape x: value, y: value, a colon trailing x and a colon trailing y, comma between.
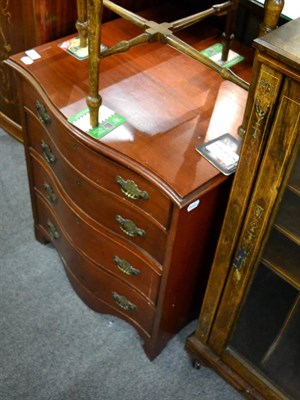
x: 281, y: 362
x: 267, y: 333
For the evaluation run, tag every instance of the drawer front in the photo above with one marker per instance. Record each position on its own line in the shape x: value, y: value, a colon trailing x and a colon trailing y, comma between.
x: 103, y: 249
x: 104, y: 208
x: 109, y: 174
x: 121, y: 299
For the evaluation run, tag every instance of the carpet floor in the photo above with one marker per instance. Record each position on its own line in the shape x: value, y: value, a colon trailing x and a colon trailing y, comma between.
x: 52, y: 346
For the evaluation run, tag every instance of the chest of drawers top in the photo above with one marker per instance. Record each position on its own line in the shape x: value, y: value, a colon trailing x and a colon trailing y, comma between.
x: 169, y: 109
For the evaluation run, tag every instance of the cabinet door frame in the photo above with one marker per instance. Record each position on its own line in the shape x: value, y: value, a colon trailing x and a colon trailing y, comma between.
x: 281, y: 149
x: 251, y: 154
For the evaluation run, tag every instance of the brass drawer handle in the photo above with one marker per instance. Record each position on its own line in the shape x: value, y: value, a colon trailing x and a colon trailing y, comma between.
x: 47, y: 153
x: 123, y: 302
x: 52, y: 230
x: 44, y: 117
x: 51, y: 196
x: 129, y: 227
x: 130, y: 189
x: 125, y: 267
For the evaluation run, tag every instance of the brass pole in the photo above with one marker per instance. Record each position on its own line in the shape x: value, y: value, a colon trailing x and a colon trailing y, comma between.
x: 192, y: 19
x: 81, y: 23
x: 272, y: 11
x: 95, y: 8
x: 126, y: 14
x: 225, y: 73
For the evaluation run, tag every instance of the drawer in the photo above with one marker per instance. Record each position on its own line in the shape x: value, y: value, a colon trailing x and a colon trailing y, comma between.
x: 122, y: 300
x: 104, y: 172
x: 103, y: 249
x: 103, y: 207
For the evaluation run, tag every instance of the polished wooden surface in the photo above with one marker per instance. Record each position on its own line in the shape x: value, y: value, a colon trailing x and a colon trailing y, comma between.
x: 284, y: 44
x: 174, y: 109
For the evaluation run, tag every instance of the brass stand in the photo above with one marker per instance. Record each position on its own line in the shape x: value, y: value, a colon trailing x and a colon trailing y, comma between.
x: 91, y: 11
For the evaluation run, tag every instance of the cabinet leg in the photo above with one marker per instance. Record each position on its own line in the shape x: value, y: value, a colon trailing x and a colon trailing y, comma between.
x: 40, y: 236
x: 196, y: 364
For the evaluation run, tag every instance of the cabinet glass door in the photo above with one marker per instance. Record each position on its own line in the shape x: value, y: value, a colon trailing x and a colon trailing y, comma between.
x: 267, y: 331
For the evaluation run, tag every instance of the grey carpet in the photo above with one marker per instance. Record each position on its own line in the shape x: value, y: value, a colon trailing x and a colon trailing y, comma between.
x: 54, y: 347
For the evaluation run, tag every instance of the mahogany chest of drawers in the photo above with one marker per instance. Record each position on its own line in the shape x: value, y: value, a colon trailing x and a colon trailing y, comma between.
x: 134, y: 216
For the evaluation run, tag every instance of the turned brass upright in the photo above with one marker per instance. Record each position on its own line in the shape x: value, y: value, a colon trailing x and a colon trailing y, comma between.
x: 272, y: 11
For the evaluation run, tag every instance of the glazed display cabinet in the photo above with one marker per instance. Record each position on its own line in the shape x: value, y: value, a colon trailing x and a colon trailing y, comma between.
x: 249, y: 324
